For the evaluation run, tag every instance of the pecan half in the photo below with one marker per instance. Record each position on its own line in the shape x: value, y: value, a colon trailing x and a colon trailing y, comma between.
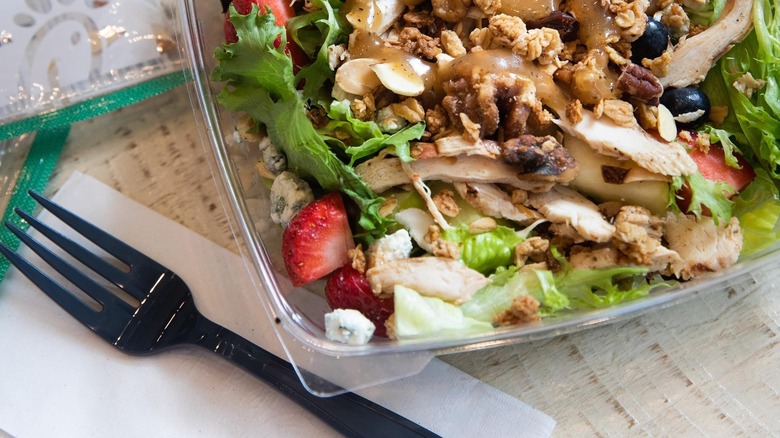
x: 640, y: 83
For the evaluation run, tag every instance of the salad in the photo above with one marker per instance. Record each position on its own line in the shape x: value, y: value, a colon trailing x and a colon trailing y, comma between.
x: 459, y: 165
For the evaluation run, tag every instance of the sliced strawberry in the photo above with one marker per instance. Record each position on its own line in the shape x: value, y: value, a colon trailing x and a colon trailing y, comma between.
x: 347, y: 288
x: 282, y: 11
x: 317, y: 240
x: 712, y: 165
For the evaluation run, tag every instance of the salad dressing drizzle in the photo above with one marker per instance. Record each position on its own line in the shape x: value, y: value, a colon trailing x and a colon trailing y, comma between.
x: 364, y: 44
x: 504, y: 61
x: 529, y: 9
x: 597, y: 26
x: 363, y: 14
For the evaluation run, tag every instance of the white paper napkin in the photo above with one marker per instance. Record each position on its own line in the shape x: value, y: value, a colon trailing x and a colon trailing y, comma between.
x: 59, y: 379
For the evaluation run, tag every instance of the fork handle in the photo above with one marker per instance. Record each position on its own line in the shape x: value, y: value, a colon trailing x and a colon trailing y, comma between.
x: 348, y: 413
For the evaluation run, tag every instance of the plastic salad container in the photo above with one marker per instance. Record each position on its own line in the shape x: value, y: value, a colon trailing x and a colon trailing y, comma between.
x: 329, y: 367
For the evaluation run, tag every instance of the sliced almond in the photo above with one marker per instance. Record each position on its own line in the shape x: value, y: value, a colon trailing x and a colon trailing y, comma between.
x: 400, y: 78
x: 667, y: 128
x: 356, y: 76
x: 375, y: 16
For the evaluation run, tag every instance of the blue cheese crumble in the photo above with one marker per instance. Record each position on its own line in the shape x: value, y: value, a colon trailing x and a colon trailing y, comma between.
x: 289, y: 194
x: 394, y: 246
x: 348, y: 326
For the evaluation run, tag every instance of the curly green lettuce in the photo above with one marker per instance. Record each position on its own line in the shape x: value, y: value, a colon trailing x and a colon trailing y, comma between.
x: 566, y: 290
x: 753, y: 121
x: 714, y: 195
x: 260, y: 82
x: 365, y: 137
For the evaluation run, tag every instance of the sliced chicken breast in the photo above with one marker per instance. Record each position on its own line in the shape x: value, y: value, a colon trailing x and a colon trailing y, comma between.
x: 439, y: 277
x: 564, y: 205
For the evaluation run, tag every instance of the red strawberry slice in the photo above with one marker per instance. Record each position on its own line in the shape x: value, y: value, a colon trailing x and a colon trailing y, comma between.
x: 317, y: 240
x: 282, y: 11
x: 347, y: 288
x: 712, y: 165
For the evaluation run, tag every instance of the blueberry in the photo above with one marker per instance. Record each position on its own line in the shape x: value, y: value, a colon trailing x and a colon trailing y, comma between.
x: 688, y: 100
x: 652, y: 43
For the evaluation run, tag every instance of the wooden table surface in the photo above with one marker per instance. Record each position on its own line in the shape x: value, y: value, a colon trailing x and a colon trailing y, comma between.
x: 706, y: 367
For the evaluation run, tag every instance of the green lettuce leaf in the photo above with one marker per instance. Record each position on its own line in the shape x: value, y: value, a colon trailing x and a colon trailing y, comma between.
x: 707, y: 13
x: 597, y: 288
x: 758, y: 116
x: 484, y: 252
x: 569, y: 289
x: 314, y: 32
x: 723, y: 137
x: 508, y: 284
x: 365, y: 137
x: 705, y: 193
x: 416, y: 315
x: 259, y: 81
x: 758, y: 209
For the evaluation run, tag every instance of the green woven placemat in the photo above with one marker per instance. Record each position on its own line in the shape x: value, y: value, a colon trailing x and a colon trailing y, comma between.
x: 35, y: 173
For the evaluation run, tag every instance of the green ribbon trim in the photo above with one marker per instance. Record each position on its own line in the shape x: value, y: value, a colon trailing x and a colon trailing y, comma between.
x: 96, y: 106
x: 38, y: 166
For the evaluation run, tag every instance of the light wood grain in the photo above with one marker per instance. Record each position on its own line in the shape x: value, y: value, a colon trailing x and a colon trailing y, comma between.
x: 706, y: 367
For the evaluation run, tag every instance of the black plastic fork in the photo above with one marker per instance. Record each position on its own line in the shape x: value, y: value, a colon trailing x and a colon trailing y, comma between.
x: 166, y: 317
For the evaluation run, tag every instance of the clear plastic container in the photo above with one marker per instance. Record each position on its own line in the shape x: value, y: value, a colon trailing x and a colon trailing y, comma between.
x: 328, y: 367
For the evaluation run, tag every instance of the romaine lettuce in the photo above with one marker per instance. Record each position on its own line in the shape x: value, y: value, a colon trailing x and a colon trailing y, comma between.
x: 758, y: 210
x: 416, y: 315
x: 486, y: 251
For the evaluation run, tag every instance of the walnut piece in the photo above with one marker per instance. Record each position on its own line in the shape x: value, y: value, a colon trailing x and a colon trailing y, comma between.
x: 413, y: 41
x: 533, y: 248
x: 445, y: 202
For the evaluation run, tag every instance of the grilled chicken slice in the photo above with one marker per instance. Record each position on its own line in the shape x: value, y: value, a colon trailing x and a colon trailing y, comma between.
x: 564, y: 205
x: 439, y: 277
x: 609, y: 138
x: 494, y: 202
x: 383, y: 173
x: 455, y: 145
x: 693, y: 58
x: 703, y: 246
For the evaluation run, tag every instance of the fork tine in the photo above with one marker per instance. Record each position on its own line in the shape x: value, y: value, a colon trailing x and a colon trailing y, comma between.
x: 72, y: 304
x: 86, y: 284
x: 107, y: 242
x: 97, y: 264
